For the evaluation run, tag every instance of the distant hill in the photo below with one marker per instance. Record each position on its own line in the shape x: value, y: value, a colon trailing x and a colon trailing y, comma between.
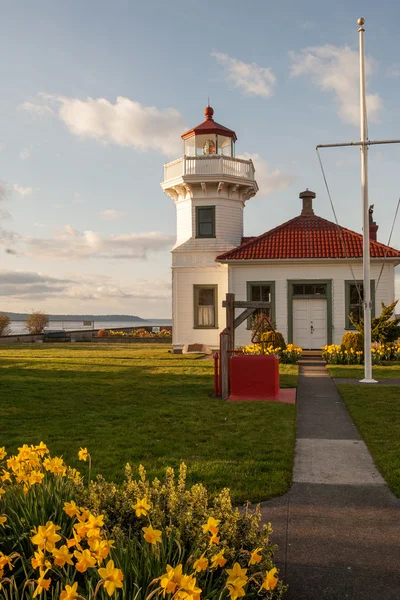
x: 23, y: 316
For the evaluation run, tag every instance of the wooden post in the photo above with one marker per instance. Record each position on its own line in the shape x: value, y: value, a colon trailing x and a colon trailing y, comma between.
x: 224, y: 365
x: 230, y: 320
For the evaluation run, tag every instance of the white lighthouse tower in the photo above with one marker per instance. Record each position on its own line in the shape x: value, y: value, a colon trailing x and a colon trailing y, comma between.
x: 209, y: 186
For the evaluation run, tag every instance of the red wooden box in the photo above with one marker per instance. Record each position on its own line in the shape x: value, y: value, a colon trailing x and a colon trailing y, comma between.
x: 254, y: 377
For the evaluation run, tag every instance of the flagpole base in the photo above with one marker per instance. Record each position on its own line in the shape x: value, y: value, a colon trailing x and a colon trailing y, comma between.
x: 369, y: 381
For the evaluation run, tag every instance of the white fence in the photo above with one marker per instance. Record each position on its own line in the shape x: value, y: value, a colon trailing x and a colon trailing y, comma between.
x: 209, y: 165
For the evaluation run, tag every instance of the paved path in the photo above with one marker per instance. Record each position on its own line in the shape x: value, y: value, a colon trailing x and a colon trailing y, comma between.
x: 338, y: 528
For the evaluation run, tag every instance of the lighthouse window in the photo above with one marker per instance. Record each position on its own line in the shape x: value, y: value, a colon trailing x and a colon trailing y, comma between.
x: 205, y: 221
x: 205, y: 303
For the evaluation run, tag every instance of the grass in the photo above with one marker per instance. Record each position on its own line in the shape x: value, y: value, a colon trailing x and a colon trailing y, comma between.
x: 389, y: 370
x: 141, y: 404
x: 376, y: 413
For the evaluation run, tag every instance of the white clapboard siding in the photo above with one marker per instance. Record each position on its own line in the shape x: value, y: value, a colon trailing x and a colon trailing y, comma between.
x: 281, y: 272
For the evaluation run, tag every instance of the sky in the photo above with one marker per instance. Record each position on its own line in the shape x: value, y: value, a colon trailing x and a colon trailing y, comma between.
x: 96, y: 94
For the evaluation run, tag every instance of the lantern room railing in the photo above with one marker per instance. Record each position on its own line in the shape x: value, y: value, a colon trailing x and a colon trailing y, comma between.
x: 209, y: 165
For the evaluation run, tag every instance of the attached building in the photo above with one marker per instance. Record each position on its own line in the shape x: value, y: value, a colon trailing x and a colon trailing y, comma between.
x: 308, y: 269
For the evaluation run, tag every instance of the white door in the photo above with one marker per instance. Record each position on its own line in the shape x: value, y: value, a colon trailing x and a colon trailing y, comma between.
x: 310, y: 323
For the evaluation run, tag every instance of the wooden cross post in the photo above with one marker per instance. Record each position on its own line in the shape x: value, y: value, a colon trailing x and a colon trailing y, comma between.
x: 228, y: 335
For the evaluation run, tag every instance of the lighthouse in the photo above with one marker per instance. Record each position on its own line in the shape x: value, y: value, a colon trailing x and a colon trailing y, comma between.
x: 209, y: 187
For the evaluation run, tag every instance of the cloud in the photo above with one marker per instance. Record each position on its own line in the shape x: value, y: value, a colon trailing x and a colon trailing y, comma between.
x: 269, y: 180
x: 2, y: 146
x: 21, y: 190
x: 111, y: 214
x: 3, y: 191
x: 252, y: 79
x: 25, y: 153
x: 393, y: 71
x: 124, y: 123
x: 78, y: 199
x: 336, y: 69
x: 71, y: 244
x: 36, y: 109
x: 24, y: 285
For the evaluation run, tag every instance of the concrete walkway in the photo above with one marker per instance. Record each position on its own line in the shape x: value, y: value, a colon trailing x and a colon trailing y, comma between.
x: 338, y: 528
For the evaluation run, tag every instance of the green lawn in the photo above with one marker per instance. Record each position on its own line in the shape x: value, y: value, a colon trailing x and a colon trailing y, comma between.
x: 376, y: 413
x: 389, y: 370
x: 142, y: 404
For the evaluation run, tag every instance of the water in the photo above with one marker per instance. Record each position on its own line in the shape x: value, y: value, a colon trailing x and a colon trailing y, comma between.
x: 18, y: 327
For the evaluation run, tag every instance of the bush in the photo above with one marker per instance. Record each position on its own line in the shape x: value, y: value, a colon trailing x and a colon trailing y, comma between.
x: 353, y: 340
x: 5, y: 327
x: 385, y: 328
x: 102, y: 333
x: 148, y: 538
x: 36, y: 322
x: 274, y: 338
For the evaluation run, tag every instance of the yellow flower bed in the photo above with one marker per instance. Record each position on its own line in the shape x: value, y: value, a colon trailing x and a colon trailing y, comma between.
x: 288, y: 355
x: 338, y: 355
x: 140, y: 540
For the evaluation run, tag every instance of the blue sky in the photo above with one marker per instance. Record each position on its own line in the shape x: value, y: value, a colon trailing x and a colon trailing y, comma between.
x: 84, y: 225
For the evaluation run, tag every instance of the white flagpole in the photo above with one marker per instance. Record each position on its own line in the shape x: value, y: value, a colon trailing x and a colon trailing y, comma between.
x: 364, y: 189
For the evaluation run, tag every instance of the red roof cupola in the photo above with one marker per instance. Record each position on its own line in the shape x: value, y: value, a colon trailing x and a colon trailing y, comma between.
x: 209, y: 137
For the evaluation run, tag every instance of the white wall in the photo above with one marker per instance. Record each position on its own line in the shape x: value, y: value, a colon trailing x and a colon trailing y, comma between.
x: 282, y: 271
x: 183, y: 280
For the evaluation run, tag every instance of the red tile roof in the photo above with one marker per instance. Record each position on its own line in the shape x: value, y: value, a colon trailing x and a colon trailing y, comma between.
x: 209, y: 126
x: 306, y: 236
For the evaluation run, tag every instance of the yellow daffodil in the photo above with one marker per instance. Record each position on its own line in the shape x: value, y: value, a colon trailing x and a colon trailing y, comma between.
x: 100, y: 548
x: 236, y: 572
x: 211, y: 526
x: 171, y: 580
x: 70, y: 592
x: 71, y: 509
x: 42, y: 584
x: 75, y: 541
x: 200, y: 564
x: 94, y: 524
x: 153, y: 536
x: 6, y: 476
x: 62, y: 556
x: 214, y: 539
x: 255, y: 557
x: 85, y: 561
x: 3, y: 452
x: 270, y: 580
x: 5, y: 561
x: 188, y: 589
x: 41, y: 449
x: 35, y: 477
x: 218, y: 560
x: 83, y: 454
x: 141, y: 507
x: 39, y: 561
x: 235, y: 591
x: 3, y: 519
x: 45, y: 536
x: 112, y: 577
x: 2, y: 491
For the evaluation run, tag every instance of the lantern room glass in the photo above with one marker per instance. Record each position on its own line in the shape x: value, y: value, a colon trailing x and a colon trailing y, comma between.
x: 209, y: 144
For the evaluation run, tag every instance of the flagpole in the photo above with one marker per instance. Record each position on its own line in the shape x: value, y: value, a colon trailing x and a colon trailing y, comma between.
x: 364, y: 190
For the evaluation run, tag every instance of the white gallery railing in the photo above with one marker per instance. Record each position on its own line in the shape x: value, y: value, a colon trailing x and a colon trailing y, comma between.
x: 209, y: 165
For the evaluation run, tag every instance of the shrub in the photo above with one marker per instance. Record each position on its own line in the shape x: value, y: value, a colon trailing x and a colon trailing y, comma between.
x: 274, y: 338
x: 5, y: 327
x: 148, y: 538
x: 385, y: 328
x: 353, y: 340
x: 102, y: 333
x: 36, y: 322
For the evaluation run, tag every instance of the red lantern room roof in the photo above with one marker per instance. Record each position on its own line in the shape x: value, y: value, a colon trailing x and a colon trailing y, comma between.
x: 209, y: 126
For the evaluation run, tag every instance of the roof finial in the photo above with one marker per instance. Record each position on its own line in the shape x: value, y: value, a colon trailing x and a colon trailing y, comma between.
x: 208, y: 111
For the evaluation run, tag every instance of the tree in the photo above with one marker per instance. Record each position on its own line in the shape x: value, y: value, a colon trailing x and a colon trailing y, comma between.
x: 384, y: 328
x: 36, y: 322
x: 5, y: 328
